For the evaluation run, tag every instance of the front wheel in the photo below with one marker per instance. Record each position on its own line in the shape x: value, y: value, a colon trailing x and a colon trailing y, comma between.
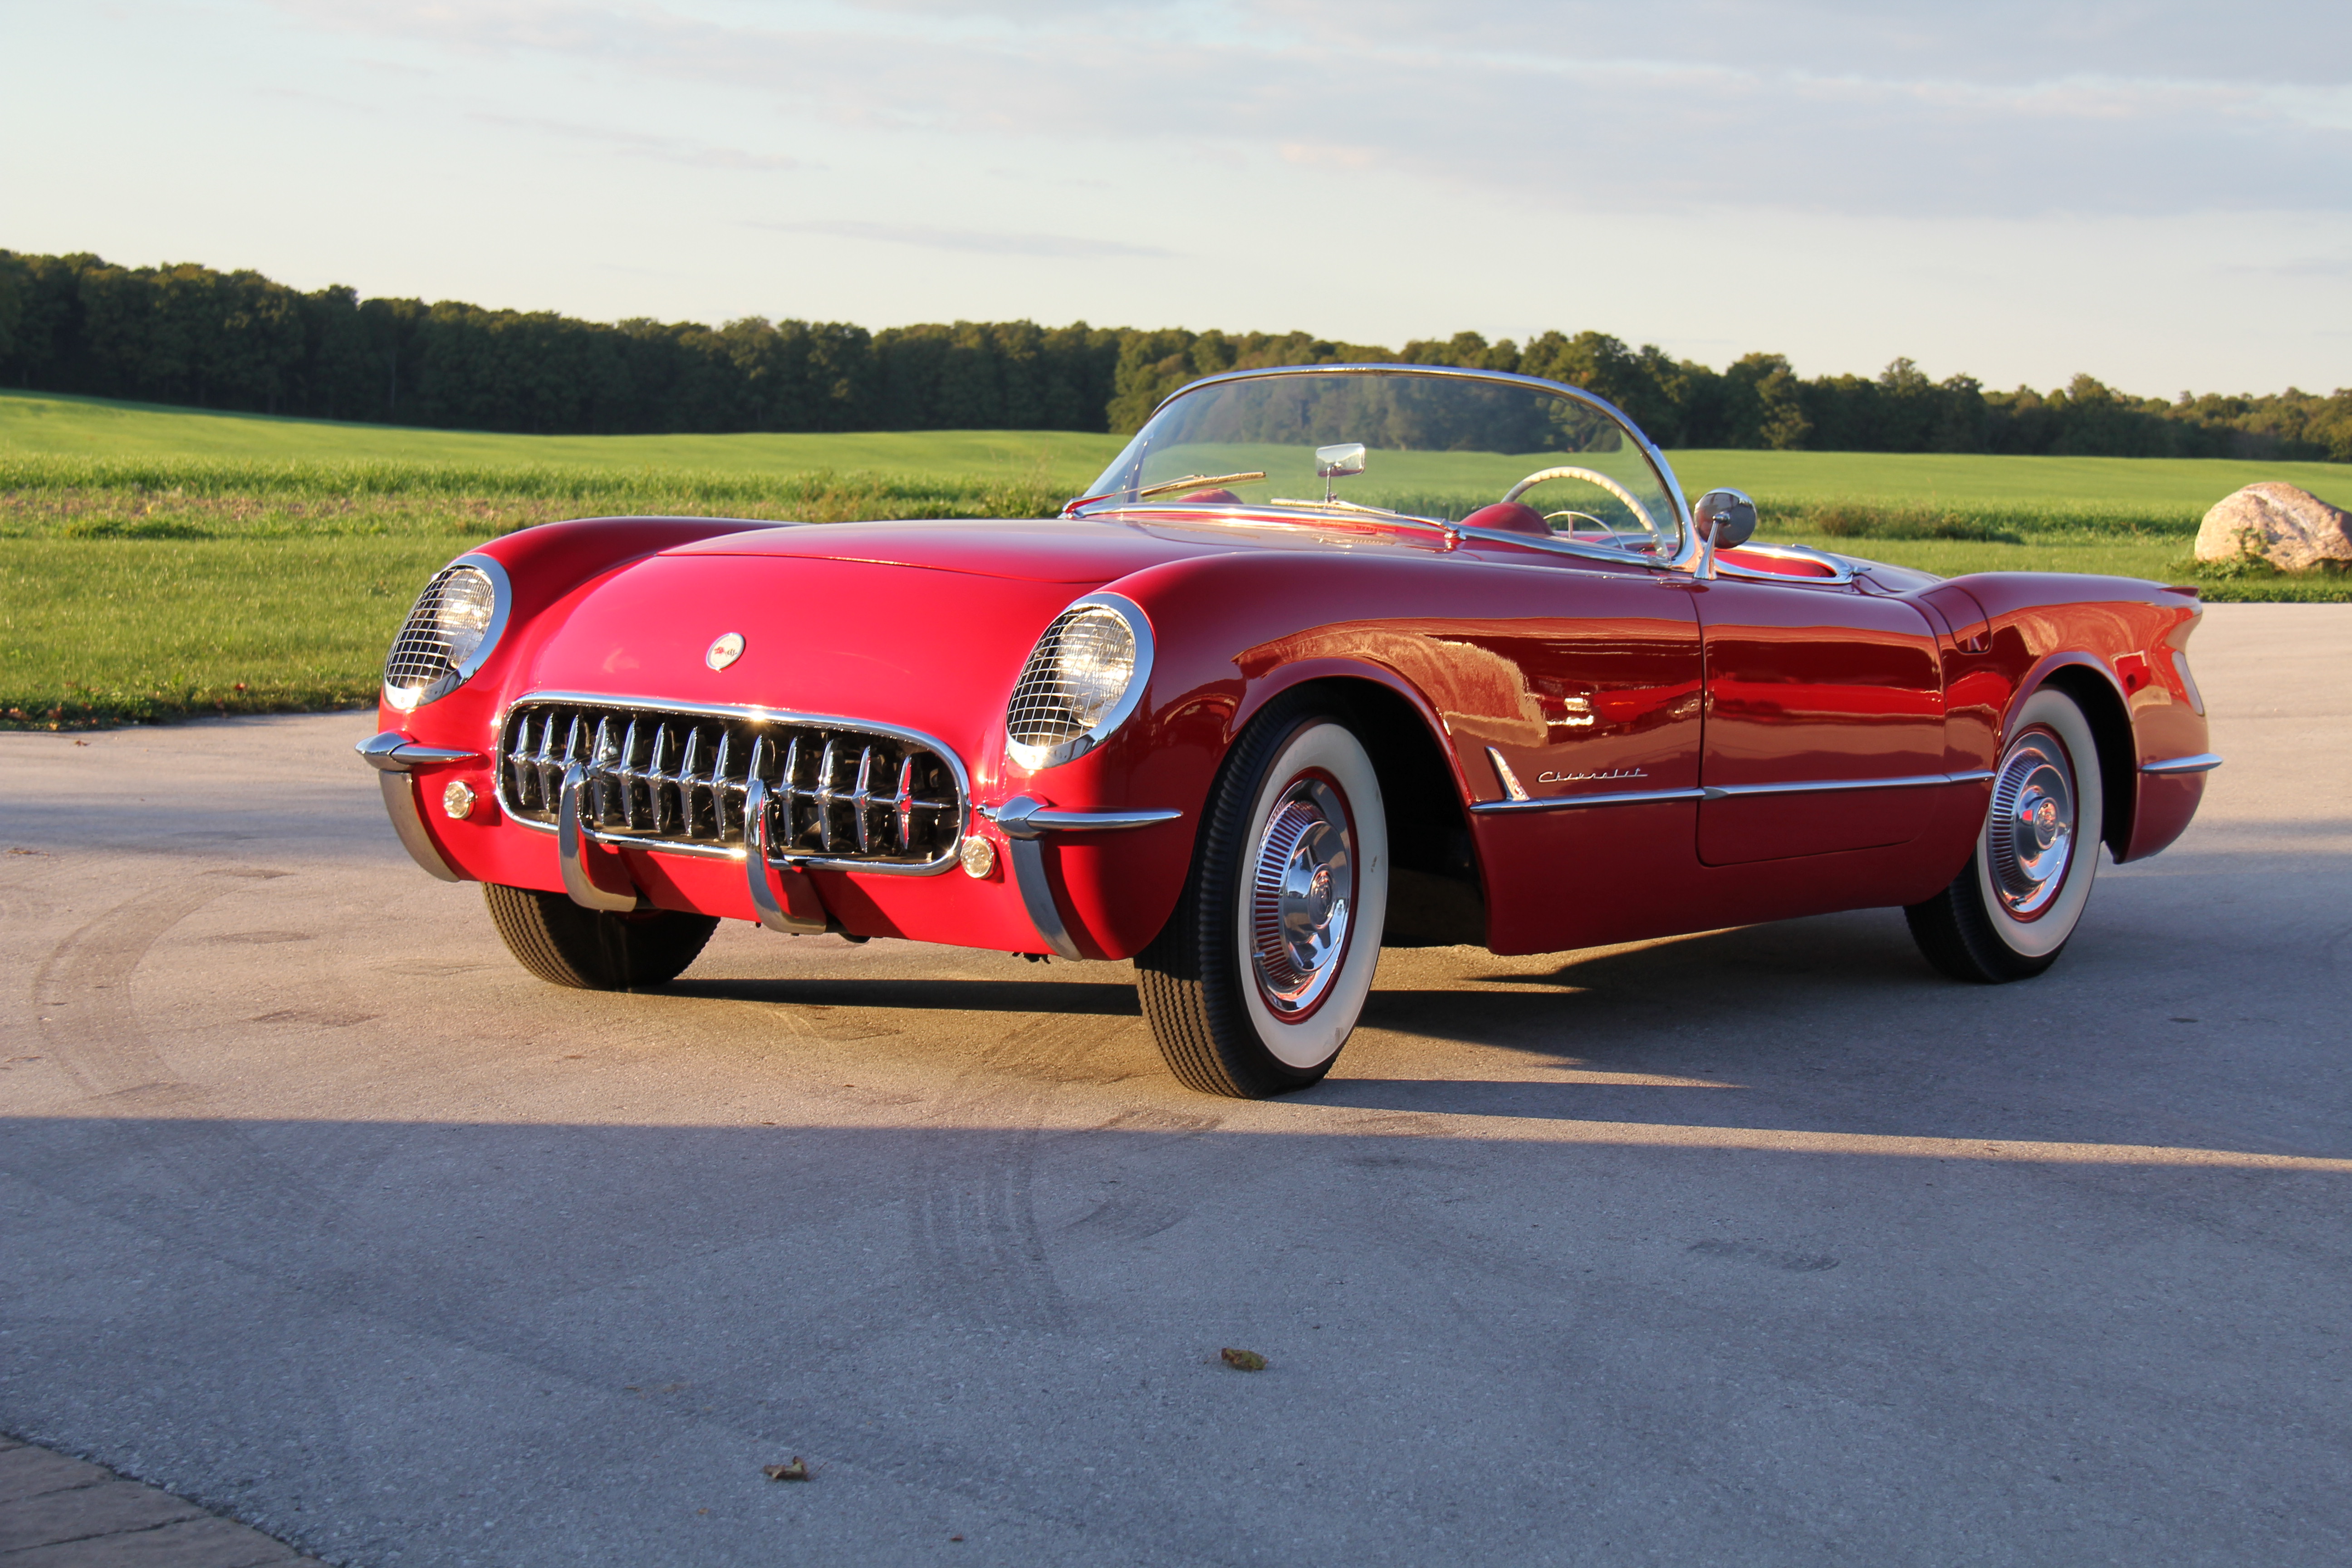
x: 1257, y: 979
x: 565, y: 944
x: 2008, y: 914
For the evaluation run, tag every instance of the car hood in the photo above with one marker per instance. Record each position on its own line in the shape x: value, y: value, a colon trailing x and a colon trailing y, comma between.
x: 921, y: 625
x: 1092, y: 550
x: 889, y: 643
x: 1032, y: 552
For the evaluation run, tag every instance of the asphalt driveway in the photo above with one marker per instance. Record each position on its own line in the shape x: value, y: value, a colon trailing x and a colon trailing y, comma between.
x: 1766, y: 1245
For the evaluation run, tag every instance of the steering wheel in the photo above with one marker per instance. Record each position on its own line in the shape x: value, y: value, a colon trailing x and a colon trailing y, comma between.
x: 1575, y: 518
x: 1589, y: 476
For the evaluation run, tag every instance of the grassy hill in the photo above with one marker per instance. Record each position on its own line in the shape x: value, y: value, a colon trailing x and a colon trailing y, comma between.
x: 157, y: 562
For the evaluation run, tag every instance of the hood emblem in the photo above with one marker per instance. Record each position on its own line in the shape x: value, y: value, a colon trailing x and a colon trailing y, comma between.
x: 724, y: 650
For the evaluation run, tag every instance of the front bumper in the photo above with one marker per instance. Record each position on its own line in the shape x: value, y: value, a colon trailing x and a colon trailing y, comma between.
x: 1024, y: 821
x: 762, y: 880
x: 395, y: 757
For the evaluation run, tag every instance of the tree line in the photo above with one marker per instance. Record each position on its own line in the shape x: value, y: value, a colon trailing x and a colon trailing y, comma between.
x: 188, y: 334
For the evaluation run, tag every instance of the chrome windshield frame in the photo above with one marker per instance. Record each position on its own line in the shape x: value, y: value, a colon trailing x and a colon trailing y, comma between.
x: 1687, y: 546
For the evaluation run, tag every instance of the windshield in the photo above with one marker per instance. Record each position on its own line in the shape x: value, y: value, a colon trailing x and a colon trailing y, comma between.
x: 1430, y: 444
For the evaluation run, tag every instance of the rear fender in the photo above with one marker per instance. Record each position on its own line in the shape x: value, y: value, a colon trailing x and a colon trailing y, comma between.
x: 2095, y: 690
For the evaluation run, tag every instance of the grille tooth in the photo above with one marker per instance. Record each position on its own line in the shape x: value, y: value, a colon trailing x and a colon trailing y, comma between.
x: 791, y: 792
x: 547, y: 769
x: 600, y: 776
x: 863, y: 800
x: 626, y: 776
x: 688, y: 786
x: 655, y: 780
x: 564, y: 760
x: 719, y: 781
x: 675, y: 778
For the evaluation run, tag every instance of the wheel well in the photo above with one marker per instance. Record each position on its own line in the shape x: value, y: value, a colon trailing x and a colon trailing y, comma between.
x: 1435, y: 899
x: 2118, y: 754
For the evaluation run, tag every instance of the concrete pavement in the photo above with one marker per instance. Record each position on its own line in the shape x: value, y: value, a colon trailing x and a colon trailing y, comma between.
x: 1766, y: 1246
x: 57, y: 1512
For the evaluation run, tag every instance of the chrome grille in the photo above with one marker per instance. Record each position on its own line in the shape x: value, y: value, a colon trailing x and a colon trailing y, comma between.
x: 421, y: 656
x: 678, y: 779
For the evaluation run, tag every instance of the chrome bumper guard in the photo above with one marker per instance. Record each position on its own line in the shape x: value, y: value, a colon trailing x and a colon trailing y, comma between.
x: 1024, y: 820
x: 394, y: 755
x: 798, y: 912
x: 571, y: 856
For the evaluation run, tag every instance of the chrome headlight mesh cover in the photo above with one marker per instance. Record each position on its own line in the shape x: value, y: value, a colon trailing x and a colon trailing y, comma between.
x: 453, y: 628
x: 1083, y: 680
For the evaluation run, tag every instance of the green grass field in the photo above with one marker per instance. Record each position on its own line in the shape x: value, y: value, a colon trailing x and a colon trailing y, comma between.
x: 158, y: 562
x: 46, y: 425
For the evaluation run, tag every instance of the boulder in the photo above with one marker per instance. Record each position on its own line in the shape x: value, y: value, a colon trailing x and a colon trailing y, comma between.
x: 2292, y: 529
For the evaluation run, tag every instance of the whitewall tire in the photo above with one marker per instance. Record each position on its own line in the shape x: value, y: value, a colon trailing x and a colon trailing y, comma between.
x: 2010, y: 910
x: 1261, y: 974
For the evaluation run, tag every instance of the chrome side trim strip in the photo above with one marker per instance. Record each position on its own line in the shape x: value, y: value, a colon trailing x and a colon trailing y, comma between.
x: 1821, y: 786
x: 801, y: 912
x: 2202, y: 763
x: 1024, y: 817
x: 570, y: 854
x: 1726, y: 792
x: 1567, y: 802
x: 1511, y: 785
x: 400, y: 804
x: 393, y: 753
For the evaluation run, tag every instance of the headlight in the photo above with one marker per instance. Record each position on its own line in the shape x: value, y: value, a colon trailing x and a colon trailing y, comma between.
x: 450, y: 630
x: 1083, y: 678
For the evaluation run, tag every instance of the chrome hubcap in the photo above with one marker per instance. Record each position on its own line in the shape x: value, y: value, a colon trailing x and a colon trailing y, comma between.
x: 2030, y: 841
x: 1302, y: 887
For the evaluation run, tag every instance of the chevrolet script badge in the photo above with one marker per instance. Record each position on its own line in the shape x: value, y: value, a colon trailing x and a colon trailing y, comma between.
x: 724, y: 650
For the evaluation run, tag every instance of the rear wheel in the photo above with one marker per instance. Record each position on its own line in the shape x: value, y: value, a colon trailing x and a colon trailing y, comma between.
x: 1257, y: 979
x: 565, y: 944
x: 2008, y: 914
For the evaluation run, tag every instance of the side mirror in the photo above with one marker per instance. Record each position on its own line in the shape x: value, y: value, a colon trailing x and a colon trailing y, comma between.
x: 1339, y: 462
x: 1726, y: 519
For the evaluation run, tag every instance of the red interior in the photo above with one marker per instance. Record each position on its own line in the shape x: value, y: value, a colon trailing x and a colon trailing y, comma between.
x: 1512, y: 517
x: 1784, y: 566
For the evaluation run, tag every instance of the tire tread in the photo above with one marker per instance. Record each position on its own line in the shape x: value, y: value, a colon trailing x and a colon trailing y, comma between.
x: 563, y: 944
x: 1202, y: 1030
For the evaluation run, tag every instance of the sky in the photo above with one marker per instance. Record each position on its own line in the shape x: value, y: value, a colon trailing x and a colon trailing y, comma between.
x: 2156, y: 193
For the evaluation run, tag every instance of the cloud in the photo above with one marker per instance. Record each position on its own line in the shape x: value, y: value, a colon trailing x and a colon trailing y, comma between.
x: 975, y: 241
x: 666, y: 149
x: 2007, y: 108
x: 2301, y: 267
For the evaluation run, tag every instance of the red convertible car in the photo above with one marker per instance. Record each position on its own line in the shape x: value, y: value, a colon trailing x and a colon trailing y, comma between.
x: 1329, y: 660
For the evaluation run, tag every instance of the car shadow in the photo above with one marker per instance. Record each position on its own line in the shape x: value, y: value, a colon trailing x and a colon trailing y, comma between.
x: 1110, y: 999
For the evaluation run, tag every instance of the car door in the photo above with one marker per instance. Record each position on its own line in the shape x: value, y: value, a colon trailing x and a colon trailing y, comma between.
x: 1824, y: 719
x: 1574, y: 705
